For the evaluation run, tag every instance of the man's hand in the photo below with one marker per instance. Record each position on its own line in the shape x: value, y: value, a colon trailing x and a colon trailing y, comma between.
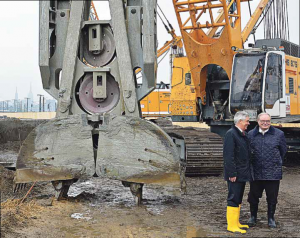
x: 233, y: 179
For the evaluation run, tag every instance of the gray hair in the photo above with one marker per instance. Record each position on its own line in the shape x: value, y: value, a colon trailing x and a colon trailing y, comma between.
x: 261, y: 114
x: 242, y: 115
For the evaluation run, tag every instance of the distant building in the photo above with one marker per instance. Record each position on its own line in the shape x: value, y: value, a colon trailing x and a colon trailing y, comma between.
x: 28, y: 104
x: 50, y: 105
x: 16, y: 94
x: 30, y: 100
x: 47, y: 105
x: 17, y: 102
x: 2, y: 104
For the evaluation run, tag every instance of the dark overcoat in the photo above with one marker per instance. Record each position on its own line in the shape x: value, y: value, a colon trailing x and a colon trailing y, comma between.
x: 268, y: 151
x: 236, y: 154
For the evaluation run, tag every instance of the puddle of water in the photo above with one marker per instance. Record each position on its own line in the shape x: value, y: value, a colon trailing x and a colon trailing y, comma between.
x: 80, y: 187
x: 80, y: 216
x: 100, y: 191
x: 8, y: 156
x: 155, y: 210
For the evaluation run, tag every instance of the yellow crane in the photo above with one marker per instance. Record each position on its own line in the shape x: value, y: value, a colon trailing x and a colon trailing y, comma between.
x: 206, y: 50
x: 93, y: 12
x: 203, y: 49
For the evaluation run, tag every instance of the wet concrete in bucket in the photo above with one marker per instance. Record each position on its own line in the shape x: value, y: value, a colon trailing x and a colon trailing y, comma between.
x: 100, y: 207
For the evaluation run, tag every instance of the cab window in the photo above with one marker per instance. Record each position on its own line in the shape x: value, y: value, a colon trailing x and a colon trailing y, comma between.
x: 273, y: 84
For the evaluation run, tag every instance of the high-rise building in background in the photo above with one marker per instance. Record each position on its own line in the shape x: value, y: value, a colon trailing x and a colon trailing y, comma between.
x: 30, y: 100
x: 27, y: 103
x: 16, y: 101
x: 16, y: 94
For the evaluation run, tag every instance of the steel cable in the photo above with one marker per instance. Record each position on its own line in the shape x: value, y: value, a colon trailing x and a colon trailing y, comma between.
x: 276, y: 24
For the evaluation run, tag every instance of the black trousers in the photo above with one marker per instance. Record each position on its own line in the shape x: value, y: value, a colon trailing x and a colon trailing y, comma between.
x: 257, y: 188
x: 235, y: 193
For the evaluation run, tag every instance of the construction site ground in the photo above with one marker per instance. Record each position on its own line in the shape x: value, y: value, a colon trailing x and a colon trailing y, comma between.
x: 100, y: 207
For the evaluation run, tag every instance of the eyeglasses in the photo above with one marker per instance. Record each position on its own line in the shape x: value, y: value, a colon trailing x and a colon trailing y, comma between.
x: 265, y: 122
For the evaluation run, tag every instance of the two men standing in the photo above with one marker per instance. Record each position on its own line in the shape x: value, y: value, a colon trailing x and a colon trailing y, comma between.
x: 255, y: 158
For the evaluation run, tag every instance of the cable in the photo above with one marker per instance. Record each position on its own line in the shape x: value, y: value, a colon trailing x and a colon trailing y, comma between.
x: 171, y: 27
x: 167, y: 28
x: 264, y: 15
x: 287, y: 21
x: 250, y: 17
x: 164, y: 56
x: 276, y: 23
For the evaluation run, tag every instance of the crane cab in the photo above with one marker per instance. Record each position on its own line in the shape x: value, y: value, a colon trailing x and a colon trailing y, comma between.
x: 258, y: 83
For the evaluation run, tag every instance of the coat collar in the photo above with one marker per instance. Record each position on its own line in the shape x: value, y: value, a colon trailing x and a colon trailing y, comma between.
x: 238, y: 131
x: 270, y: 131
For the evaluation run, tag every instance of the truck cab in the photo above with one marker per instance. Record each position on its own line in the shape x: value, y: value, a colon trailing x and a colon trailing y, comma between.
x: 258, y: 83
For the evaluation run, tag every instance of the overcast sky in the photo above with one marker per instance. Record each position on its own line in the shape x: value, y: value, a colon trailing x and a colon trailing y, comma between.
x: 19, y: 42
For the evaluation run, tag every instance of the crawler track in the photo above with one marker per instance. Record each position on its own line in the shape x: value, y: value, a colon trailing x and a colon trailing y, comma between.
x: 204, y: 149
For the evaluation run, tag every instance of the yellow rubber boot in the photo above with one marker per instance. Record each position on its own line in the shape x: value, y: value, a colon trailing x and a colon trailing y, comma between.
x: 239, y: 224
x: 232, y: 220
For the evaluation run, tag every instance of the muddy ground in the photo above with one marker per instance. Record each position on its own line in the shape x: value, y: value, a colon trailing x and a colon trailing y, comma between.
x: 104, y: 208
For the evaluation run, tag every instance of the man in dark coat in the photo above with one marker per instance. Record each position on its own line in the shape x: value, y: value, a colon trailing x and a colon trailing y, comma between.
x: 268, y: 147
x: 236, y: 154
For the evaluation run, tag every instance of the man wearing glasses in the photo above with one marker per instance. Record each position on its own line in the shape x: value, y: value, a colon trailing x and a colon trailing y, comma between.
x: 268, y: 147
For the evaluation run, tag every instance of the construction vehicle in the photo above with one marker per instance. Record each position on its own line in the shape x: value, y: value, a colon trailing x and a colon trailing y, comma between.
x: 157, y: 103
x: 218, y: 77
x: 98, y: 129
x: 89, y: 67
x: 212, y: 58
x: 209, y: 57
x: 201, y: 87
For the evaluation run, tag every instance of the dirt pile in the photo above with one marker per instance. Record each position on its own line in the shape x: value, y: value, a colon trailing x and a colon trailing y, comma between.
x: 12, y: 129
